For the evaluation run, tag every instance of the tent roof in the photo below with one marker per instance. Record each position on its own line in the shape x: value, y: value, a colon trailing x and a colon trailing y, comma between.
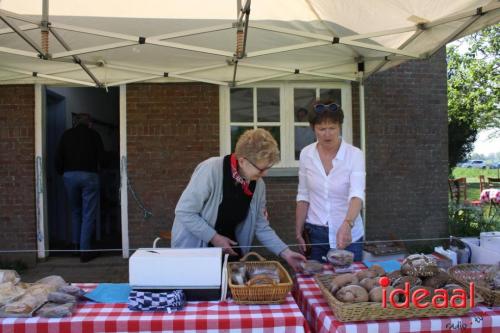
x: 112, y: 42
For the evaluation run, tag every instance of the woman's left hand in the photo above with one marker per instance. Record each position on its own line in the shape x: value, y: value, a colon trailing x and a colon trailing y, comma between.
x: 344, y: 237
x: 293, y: 259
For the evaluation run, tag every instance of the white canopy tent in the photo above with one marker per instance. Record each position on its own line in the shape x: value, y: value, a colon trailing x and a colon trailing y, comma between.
x: 225, y: 42
x: 114, y: 42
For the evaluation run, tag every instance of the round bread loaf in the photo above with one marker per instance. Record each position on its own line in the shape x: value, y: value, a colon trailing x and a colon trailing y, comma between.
x: 419, y: 265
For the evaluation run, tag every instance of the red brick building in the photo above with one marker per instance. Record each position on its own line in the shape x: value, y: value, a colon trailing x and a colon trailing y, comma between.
x: 172, y: 127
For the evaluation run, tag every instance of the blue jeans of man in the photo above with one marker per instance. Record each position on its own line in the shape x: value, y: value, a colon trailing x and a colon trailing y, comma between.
x: 319, y: 235
x: 82, y: 188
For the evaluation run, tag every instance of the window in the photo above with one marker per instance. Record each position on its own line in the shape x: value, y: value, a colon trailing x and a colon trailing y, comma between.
x: 282, y: 110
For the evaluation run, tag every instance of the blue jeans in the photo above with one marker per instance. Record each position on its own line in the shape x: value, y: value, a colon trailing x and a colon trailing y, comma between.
x: 319, y: 235
x: 82, y: 189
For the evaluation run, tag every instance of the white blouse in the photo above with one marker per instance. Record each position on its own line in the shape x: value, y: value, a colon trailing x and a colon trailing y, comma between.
x: 329, y: 195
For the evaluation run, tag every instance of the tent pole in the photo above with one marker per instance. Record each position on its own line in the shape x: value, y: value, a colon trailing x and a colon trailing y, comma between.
x: 19, y: 52
x: 24, y: 36
x: 91, y: 49
x: 76, y: 58
x: 455, y: 33
x: 26, y: 27
x: 123, y: 172
x: 241, y: 36
x: 40, y: 179
x: 300, y: 71
x: 44, y: 27
x: 362, y: 130
x: 45, y: 12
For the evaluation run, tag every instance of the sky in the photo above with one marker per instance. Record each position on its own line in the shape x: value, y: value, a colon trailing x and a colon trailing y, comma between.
x: 485, y: 146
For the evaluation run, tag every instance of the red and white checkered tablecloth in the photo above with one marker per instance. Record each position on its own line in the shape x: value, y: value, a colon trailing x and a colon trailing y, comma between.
x: 490, y: 195
x: 195, y: 317
x: 321, y: 318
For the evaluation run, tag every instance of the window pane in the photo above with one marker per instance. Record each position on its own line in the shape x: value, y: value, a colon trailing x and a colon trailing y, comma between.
x: 332, y: 95
x: 275, y: 132
x: 242, y: 105
x: 268, y: 104
x: 303, y: 99
x: 236, y: 131
x: 304, y: 135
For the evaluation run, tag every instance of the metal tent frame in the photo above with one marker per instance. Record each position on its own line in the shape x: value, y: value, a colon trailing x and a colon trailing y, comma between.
x: 349, y: 44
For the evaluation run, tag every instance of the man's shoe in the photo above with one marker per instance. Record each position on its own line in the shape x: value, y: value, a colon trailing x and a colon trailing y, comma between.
x: 86, y: 256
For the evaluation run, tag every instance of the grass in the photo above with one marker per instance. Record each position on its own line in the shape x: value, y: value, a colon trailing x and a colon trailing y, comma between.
x: 472, y: 175
x: 470, y: 220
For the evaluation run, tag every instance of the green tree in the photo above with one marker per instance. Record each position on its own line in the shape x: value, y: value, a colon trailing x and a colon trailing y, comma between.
x: 473, y: 90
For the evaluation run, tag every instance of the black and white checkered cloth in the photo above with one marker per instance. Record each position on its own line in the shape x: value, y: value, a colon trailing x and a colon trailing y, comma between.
x: 141, y: 300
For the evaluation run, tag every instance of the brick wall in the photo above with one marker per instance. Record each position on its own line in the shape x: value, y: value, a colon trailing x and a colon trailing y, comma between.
x: 171, y: 128
x: 406, y: 138
x: 17, y: 174
x: 164, y: 146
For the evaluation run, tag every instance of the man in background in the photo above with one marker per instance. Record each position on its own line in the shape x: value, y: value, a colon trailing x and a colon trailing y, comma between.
x: 78, y: 159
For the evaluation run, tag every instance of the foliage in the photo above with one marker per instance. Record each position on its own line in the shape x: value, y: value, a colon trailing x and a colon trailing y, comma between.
x: 465, y: 221
x: 473, y: 93
x: 461, y: 137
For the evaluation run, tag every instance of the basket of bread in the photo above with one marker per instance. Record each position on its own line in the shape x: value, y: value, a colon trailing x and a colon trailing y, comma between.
x: 374, y: 294
x: 258, y: 282
x: 486, y: 279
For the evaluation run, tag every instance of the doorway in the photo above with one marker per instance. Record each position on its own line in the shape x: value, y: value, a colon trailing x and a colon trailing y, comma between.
x: 62, y: 106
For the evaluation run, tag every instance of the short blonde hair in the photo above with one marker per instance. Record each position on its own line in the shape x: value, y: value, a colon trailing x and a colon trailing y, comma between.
x: 257, y: 145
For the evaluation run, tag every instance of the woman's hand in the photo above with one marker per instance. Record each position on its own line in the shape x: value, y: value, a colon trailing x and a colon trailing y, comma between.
x: 301, y: 243
x: 225, y: 243
x: 293, y: 259
x: 344, y: 237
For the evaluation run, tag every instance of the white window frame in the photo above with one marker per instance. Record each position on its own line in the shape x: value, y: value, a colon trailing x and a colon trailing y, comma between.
x: 287, y: 121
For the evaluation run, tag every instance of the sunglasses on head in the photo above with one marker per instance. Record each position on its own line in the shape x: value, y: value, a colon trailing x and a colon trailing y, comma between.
x: 323, y: 107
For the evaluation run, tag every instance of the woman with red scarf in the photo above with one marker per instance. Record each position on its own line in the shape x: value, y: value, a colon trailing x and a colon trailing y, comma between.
x: 225, y: 201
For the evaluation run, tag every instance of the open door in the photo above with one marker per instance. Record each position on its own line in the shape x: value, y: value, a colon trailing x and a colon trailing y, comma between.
x: 62, y: 105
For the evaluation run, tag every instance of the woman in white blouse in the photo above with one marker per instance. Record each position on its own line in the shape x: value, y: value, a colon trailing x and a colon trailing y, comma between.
x: 331, y: 187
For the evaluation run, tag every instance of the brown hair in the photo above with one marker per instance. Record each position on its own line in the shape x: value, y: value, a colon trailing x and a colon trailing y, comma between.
x: 325, y: 115
x: 257, y: 145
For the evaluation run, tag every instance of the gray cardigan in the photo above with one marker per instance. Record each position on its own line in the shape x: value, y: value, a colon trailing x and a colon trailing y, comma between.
x: 196, y: 212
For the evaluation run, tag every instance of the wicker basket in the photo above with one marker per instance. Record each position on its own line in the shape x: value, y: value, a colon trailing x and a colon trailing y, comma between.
x: 272, y: 293
x: 465, y: 273
x: 346, y: 312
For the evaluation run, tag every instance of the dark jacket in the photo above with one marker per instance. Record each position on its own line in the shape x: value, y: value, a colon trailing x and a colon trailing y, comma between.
x: 80, y: 149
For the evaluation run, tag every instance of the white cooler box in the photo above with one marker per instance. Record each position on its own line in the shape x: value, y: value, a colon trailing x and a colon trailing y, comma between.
x: 486, y: 249
x: 490, y: 240
x: 197, y: 271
